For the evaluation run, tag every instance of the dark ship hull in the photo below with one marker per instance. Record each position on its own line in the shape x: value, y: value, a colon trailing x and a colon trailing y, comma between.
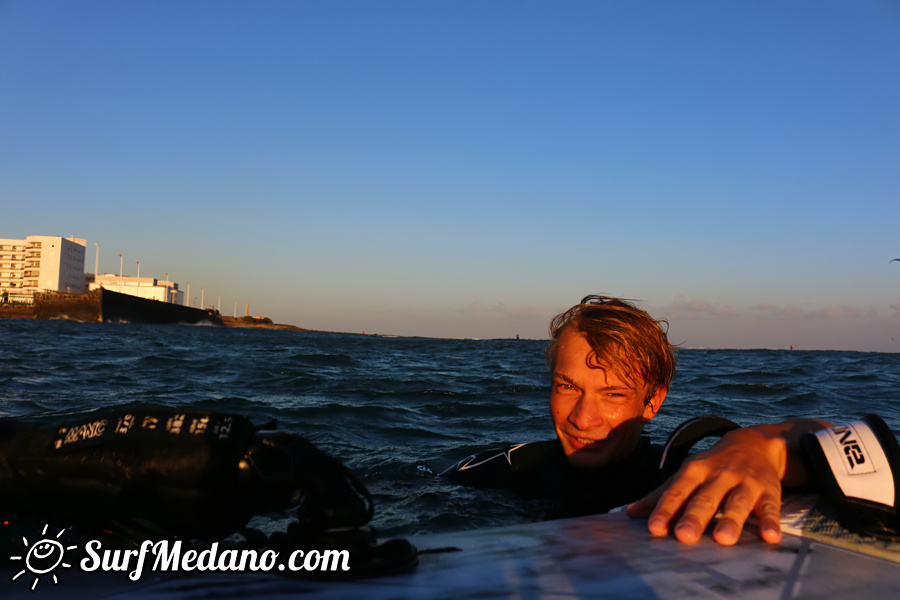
x: 105, y: 306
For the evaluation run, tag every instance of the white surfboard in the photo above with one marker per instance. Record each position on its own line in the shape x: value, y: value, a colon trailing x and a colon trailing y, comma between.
x: 606, y: 556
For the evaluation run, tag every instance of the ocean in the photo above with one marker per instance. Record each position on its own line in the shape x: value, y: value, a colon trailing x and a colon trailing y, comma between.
x: 398, y: 410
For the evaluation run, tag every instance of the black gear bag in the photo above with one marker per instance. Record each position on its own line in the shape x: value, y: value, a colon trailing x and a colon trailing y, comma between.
x: 161, y: 472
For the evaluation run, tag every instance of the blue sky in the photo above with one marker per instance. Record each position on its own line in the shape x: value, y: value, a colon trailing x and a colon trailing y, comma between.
x: 468, y: 169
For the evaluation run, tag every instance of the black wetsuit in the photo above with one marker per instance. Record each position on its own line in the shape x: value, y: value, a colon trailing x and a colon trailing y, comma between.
x: 540, y: 470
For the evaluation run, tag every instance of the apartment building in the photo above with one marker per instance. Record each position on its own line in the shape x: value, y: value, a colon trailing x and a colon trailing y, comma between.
x: 41, y: 263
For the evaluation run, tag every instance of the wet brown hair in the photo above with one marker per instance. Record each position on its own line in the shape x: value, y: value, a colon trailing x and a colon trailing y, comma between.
x: 625, y: 339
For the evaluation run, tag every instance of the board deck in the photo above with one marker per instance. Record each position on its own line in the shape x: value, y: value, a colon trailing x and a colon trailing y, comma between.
x: 608, y: 556
x: 807, y: 517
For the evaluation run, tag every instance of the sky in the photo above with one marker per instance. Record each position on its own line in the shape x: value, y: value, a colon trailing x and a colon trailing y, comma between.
x: 471, y: 168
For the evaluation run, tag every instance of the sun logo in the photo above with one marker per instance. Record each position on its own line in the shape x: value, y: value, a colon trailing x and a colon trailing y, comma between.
x: 43, y: 557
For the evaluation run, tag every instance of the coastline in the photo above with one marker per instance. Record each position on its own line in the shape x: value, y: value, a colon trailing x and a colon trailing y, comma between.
x: 16, y: 311
x: 258, y: 323
x: 20, y: 311
x: 8, y: 311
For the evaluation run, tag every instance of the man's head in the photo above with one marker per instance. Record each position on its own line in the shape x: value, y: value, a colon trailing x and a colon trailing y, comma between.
x: 611, y: 365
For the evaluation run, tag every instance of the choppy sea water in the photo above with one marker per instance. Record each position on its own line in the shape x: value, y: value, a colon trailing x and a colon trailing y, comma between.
x: 396, y: 410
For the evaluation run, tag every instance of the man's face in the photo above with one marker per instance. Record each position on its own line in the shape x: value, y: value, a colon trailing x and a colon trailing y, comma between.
x: 598, y: 416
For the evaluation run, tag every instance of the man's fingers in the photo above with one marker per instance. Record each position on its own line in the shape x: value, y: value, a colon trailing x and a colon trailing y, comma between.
x: 670, y: 501
x: 697, y: 515
x: 703, y: 505
x: 738, y: 506
x: 741, y: 475
x: 768, y: 511
x: 741, y: 502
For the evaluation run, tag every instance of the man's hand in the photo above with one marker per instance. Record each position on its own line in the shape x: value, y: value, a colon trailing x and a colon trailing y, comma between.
x: 742, y: 474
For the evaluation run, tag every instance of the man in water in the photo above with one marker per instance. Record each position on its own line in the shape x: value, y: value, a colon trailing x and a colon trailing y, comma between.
x: 611, y: 366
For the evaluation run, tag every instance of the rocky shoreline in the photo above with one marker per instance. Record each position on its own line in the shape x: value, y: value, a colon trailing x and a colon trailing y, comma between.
x: 15, y: 311
x: 18, y: 311
x: 258, y: 323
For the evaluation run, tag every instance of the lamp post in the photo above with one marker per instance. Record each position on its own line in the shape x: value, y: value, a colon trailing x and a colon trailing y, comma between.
x: 167, y: 287
x: 187, y: 297
x: 121, y: 283
x: 201, y: 299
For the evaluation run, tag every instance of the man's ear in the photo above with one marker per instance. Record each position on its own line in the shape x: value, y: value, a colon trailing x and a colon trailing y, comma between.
x: 651, y: 407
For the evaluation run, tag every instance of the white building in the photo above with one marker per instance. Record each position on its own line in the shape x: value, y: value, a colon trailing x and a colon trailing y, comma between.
x: 41, y: 263
x: 143, y: 287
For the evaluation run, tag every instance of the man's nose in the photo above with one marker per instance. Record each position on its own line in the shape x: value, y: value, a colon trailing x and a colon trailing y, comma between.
x: 584, y: 414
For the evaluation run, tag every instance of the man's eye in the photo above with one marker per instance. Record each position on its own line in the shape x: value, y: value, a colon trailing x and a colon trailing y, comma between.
x: 617, y: 397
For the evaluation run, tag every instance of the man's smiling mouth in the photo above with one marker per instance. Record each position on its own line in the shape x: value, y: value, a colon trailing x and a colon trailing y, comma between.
x: 586, y: 443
